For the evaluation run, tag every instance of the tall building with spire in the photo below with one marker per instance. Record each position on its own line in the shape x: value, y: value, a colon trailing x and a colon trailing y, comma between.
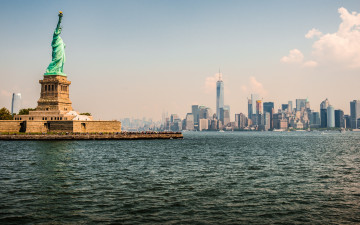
x: 219, y: 95
x: 15, y: 103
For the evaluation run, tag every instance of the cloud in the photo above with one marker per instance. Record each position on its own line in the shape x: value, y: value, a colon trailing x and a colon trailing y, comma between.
x: 295, y: 56
x: 210, y: 83
x: 254, y: 86
x: 340, y: 49
x: 310, y: 64
x: 313, y: 33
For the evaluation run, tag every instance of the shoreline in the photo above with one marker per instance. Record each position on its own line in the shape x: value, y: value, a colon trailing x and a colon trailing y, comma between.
x: 91, y: 136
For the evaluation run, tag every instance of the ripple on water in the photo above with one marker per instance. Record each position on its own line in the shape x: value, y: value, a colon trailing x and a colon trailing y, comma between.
x: 229, y: 178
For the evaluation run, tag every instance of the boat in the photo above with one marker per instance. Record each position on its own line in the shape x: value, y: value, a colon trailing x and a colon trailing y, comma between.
x: 278, y: 130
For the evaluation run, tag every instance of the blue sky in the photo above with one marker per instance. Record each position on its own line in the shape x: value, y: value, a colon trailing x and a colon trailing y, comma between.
x: 139, y: 58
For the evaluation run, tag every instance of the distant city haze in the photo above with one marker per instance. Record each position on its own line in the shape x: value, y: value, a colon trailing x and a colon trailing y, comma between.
x: 139, y: 59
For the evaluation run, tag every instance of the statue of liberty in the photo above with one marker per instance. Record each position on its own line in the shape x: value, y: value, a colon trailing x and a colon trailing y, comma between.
x: 56, y: 66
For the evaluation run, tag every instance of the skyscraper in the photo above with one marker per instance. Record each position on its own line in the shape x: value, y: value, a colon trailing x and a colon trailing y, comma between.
x: 254, y: 98
x: 355, y: 114
x: 324, y: 104
x: 339, y: 118
x: 259, y: 107
x: 300, y: 103
x: 315, y: 120
x: 285, y: 107
x: 259, y: 112
x: 330, y: 116
x: 195, y: 112
x: 202, y: 112
x: 173, y: 117
x: 269, y: 107
x: 323, y: 113
x: 290, y: 108
x: 250, y: 112
x: 208, y: 113
x: 189, y: 122
x: 240, y: 120
x: 225, y: 115
x: 219, y: 96
x: 16, y: 103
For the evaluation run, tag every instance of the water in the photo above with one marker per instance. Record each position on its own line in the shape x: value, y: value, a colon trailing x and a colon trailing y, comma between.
x: 206, y: 178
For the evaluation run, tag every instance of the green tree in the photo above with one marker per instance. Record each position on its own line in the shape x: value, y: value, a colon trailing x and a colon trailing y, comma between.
x: 25, y: 111
x: 86, y: 114
x: 5, y: 114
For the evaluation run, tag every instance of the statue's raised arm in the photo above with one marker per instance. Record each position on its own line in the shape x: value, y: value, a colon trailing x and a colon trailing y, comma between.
x: 56, y: 66
x: 58, y: 28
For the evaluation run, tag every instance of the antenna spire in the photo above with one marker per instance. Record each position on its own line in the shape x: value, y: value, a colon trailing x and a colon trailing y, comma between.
x: 219, y: 74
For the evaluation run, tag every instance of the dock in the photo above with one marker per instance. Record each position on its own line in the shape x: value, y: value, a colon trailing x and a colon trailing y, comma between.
x: 91, y: 136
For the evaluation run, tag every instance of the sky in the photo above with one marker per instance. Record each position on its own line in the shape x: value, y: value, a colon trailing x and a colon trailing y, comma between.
x: 142, y: 58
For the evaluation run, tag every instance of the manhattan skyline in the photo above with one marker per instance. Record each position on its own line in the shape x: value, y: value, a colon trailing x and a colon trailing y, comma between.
x: 142, y: 58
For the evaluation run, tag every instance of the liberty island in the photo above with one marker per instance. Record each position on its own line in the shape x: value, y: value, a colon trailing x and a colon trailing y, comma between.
x: 54, y: 112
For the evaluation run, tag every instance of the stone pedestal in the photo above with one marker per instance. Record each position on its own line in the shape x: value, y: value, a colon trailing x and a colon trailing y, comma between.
x: 54, y: 94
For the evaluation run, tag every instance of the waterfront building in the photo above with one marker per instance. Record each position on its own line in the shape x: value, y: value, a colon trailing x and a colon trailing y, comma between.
x: 267, y: 121
x: 176, y: 125
x: 173, y: 118
x: 307, y: 104
x: 195, y: 112
x: 324, y: 104
x: 202, y: 112
x: 219, y: 96
x: 269, y: 107
x: 323, y: 118
x: 254, y: 98
x: 219, y: 125
x: 285, y: 107
x: 290, y: 108
x: 330, y: 116
x: 213, y: 124
x: 15, y: 103
x: 208, y: 113
x: 355, y: 114
x: 259, y: 107
x: 259, y: 111
x: 339, y: 118
x: 323, y: 113
x: 347, y: 121
x: 315, y: 120
x: 300, y: 103
x: 280, y: 121
x: 225, y: 115
x: 189, y: 121
x: 240, y: 121
x: 203, y: 124
x: 298, y: 125
x: 250, y: 112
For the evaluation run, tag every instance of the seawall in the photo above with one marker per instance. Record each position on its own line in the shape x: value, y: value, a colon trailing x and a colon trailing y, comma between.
x: 93, y: 136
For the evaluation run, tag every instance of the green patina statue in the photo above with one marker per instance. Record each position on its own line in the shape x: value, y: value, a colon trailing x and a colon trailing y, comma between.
x: 56, y: 66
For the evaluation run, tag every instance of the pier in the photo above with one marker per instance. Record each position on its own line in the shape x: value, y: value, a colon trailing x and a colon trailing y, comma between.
x: 91, y: 136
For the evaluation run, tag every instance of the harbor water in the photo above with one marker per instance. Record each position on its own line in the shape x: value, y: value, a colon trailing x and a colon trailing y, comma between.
x: 205, y: 178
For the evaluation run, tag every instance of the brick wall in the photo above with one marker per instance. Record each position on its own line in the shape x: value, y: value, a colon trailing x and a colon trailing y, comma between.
x: 60, y: 126
x: 33, y: 126
x: 97, y: 126
x: 10, y: 125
